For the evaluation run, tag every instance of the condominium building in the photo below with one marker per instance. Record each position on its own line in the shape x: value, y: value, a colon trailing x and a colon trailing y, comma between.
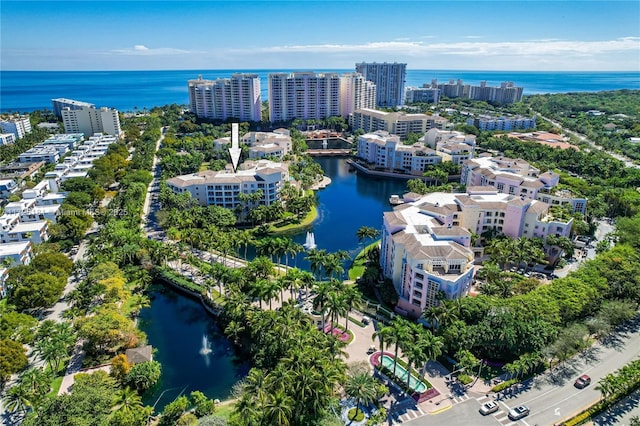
x: 518, y: 177
x: 7, y: 138
x: 506, y: 93
x: 48, y: 154
x: 89, y: 120
x: 268, y: 144
x: 237, y: 97
x: 356, y: 92
x: 61, y: 103
x: 303, y: 95
x: 425, y: 245
x: 397, y: 123
x: 385, y: 151
x: 389, y: 79
x: 223, y: 188
x: 429, y: 95
x: 20, y: 253
x: 506, y: 123
x: 18, y: 125
x: 8, y: 187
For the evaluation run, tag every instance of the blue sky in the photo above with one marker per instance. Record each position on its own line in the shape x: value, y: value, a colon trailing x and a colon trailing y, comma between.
x: 478, y: 35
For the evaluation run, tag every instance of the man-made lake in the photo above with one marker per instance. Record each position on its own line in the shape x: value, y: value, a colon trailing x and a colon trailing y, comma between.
x: 351, y: 201
x: 176, y: 324
x: 179, y: 328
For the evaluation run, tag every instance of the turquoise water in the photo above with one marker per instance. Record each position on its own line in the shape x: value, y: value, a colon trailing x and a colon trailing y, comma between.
x: 29, y: 90
x: 401, y: 372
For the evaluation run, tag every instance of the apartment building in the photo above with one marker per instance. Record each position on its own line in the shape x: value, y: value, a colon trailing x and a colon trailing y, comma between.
x: 426, y: 242
x: 7, y: 138
x: 506, y: 123
x: 61, y: 103
x: 303, y: 95
x: 518, y: 177
x: 356, y: 92
x: 12, y: 230
x: 47, y: 154
x: 237, y: 97
x: 397, y: 123
x: 18, y: 125
x: 7, y: 187
x: 423, y: 94
x: 268, y: 144
x: 89, y: 120
x: 385, y: 151
x: 223, y: 188
x: 506, y: 93
x: 389, y: 79
x: 20, y: 253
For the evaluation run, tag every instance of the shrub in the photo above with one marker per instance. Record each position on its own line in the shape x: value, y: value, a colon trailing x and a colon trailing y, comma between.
x: 465, y: 379
x: 504, y: 385
x: 356, y: 417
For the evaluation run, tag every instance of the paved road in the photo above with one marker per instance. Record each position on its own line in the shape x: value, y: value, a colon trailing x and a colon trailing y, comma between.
x: 621, y: 413
x: 552, y: 396
x: 626, y: 160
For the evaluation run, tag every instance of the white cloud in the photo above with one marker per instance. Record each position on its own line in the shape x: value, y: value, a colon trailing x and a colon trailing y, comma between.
x: 469, y: 48
x: 141, y: 49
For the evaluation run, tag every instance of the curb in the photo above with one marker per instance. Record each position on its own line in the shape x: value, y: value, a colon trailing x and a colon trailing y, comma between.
x: 440, y: 410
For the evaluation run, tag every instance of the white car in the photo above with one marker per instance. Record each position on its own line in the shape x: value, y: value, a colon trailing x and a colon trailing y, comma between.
x: 488, y: 408
x: 519, y: 412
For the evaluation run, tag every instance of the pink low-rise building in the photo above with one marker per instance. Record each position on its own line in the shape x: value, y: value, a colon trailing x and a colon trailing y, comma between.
x: 518, y: 177
x: 426, y: 242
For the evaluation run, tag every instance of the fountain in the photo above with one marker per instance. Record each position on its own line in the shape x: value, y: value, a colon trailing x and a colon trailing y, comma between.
x: 206, y: 346
x: 310, y: 242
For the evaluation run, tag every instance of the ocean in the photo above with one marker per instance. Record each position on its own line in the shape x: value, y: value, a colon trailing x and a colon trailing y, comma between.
x: 26, y: 91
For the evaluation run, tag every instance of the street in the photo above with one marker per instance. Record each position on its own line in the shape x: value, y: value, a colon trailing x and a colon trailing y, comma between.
x: 552, y: 396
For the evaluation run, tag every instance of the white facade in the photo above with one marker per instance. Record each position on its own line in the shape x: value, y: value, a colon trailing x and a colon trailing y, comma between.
x: 397, y: 123
x: 7, y: 187
x: 356, y: 92
x: 48, y: 154
x: 19, y: 253
x: 389, y: 79
x: 222, y: 188
x: 485, y: 122
x: 7, y: 138
x: 383, y: 150
x: 17, y: 125
x: 268, y: 144
x: 422, y: 94
x: 89, y: 120
x: 518, y: 177
x: 303, y: 95
x: 221, y: 99
x: 61, y: 103
x: 506, y: 93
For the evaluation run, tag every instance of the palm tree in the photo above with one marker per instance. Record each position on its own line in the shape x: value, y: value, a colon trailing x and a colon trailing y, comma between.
x: 353, y: 300
x: 363, y: 387
x: 323, y: 288
x: 366, y: 232
x: 126, y: 400
x: 316, y: 257
x: 335, y: 306
x: 401, y: 333
x: 18, y: 398
x: 278, y: 408
x: 385, y: 334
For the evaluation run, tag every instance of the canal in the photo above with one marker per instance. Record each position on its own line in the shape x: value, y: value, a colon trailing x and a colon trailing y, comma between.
x: 176, y: 325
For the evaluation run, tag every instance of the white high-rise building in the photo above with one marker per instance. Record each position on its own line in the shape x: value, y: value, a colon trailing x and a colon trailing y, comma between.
x: 90, y: 120
x: 303, y: 95
x: 389, y: 80
x: 19, y: 125
x: 237, y: 97
x: 356, y: 92
x: 61, y: 103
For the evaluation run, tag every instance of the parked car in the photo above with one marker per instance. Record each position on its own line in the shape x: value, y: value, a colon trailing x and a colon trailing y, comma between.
x: 488, y: 408
x: 582, y: 381
x: 519, y: 412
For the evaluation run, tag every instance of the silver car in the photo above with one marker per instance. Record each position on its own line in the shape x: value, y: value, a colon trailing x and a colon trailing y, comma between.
x: 519, y: 412
x: 488, y: 408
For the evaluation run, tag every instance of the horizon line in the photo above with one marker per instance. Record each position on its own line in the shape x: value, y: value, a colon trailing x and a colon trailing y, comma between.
x: 311, y: 70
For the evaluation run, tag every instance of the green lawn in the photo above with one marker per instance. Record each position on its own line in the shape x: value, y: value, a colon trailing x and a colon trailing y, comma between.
x: 358, y: 266
x: 292, y: 227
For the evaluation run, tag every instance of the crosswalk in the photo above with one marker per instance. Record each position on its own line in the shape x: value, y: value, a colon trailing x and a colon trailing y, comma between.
x: 501, y: 415
x: 409, y: 411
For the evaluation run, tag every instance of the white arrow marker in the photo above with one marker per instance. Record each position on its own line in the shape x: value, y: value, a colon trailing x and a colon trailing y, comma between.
x: 235, y: 150
x: 557, y: 412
